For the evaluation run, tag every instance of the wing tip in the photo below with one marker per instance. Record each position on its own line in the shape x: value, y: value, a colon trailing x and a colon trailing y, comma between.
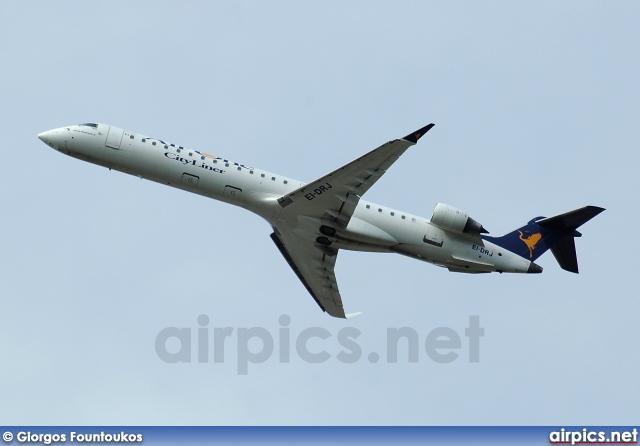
x: 353, y: 315
x: 415, y: 136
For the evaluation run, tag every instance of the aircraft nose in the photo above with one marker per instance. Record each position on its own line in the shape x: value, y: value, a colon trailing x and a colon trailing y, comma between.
x: 55, y: 138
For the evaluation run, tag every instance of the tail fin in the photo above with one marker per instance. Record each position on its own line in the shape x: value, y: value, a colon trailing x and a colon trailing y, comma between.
x: 555, y: 233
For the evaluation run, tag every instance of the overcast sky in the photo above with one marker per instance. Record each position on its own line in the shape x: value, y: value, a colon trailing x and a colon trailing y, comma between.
x: 536, y: 112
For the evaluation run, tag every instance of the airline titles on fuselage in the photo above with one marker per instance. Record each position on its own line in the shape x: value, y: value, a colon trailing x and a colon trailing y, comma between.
x: 175, y: 156
x: 193, y: 162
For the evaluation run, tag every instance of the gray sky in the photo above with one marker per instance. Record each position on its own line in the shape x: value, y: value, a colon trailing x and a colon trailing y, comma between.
x: 536, y: 112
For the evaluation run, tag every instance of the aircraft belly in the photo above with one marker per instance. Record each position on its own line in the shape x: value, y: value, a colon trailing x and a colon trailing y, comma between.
x: 448, y: 252
x: 518, y: 265
x: 425, y: 253
x: 474, y: 263
x: 366, y: 238
x: 361, y: 231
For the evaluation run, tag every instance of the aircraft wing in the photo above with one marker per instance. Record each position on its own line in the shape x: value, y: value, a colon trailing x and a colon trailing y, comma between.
x: 335, y: 196
x: 314, y: 266
x: 330, y: 199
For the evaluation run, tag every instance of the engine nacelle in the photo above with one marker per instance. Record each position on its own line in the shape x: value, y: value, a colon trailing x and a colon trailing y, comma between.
x: 451, y: 219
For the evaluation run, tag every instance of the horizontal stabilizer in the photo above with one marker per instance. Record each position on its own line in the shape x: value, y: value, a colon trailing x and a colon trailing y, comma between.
x: 565, y: 225
x: 570, y: 221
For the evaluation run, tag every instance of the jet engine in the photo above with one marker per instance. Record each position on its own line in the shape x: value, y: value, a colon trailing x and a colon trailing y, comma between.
x: 451, y: 219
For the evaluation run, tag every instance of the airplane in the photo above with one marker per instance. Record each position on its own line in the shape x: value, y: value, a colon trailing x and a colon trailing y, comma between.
x: 312, y: 222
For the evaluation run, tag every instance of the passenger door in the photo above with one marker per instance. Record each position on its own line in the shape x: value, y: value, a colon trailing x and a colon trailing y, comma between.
x: 114, y: 137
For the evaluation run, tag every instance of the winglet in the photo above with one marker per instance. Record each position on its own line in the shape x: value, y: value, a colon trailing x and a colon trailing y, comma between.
x: 352, y: 315
x: 415, y: 136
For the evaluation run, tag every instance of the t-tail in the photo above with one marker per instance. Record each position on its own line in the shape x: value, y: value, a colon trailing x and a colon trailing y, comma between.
x: 554, y: 233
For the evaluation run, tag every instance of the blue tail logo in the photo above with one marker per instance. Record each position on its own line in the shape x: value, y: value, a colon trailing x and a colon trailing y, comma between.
x: 531, y: 241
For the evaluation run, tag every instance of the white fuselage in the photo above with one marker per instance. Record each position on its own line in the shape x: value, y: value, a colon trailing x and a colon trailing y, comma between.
x: 372, y: 228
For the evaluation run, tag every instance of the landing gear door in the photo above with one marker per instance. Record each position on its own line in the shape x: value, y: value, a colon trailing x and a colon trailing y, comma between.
x: 114, y: 137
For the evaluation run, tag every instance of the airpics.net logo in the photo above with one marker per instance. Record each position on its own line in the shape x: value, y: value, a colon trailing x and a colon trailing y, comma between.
x: 205, y: 343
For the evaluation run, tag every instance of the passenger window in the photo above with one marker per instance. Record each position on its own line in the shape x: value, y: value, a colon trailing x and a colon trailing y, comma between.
x: 251, y: 172
x: 144, y: 140
x: 379, y: 210
x: 403, y: 217
x: 131, y: 136
x: 190, y: 154
x: 215, y: 161
x: 202, y: 157
x: 153, y: 143
x: 178, y: 150
x: 285, y: 181
x: 239, y: 168
x: 166, y: 146
x: 392, y: 214
x: 273, y: 178
x: 262, y: 175
x: 413, y: 220
x: 226, y: 164
x: 368, y: 207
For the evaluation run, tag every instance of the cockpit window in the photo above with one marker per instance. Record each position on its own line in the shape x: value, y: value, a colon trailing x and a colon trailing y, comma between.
x: 90, y: 124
